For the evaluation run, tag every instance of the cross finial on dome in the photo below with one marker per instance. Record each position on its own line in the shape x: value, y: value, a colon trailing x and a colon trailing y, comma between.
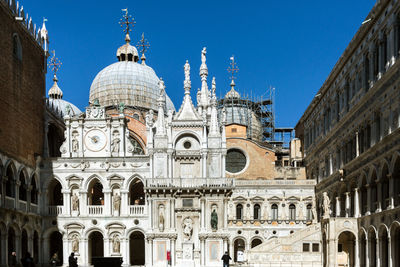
x: 126, y: 21
x: 55, y: 91
x: 143, y: 45
x: 232, y: 69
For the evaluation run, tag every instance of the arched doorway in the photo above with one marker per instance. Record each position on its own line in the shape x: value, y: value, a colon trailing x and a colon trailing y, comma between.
x: 96, y: 245
x: 11, y: 241
x: 363, y: 249
x: 384, y: 247
x: 256, y: 242
x: 137, y: 248
x: 136, y: 193
x: 372, y: 248
x: 346, y: 249
x: 395, y: 241
x: 95, y: 194
x: 24, y: 242
x: 56, y: 246
x: 238, y: 245
x: 35, y: 253
x: 55, y: 196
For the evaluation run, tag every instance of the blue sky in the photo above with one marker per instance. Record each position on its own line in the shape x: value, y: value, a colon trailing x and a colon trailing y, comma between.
x: 290, y: 45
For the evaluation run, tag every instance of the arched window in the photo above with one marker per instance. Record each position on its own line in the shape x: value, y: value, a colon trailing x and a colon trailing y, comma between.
x: 10, y: 184
x: 239, y: 211
x: 34, y: 191
x: 309, y: 212
x: 257, y: 212
x: 22, y: 187
x: 274, y: 209
x: 256, y: 242
x: 136, y: 193
x: 17, y: 48
x: 96, y: 195
x: 292, y: 212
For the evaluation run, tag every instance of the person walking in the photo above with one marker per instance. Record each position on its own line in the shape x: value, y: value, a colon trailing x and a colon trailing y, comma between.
x: 225, y: 259
x: 27, y: 261
x: 54, y: 260
x: 12, y: 261
x: 72, y: 260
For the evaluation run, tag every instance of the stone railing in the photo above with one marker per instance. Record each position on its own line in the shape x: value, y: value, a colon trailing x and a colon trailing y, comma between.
x: 137, y: 210
x: 189, y: 182
x: 95, y: 209
x: 273, y: 182
x: 10, y: 202
x: 22, y: 205
x: 34, y: 208
x: 54, y: 210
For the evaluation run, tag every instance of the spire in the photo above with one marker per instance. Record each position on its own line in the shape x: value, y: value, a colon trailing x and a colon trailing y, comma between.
x: 55, y: 91
x: 203, y: 75
x: 44, y: 36
x: 160, y: 124
x: 143, y: 45
x: 232, y: 69
x: 127, y: 52
x: 187, y: 84
x: 214, y: 131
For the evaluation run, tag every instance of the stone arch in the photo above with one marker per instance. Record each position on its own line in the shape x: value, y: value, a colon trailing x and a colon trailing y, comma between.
x: 23, y: 182
x: 95, y: 238
x: 89, y: 180
x: 384, y: 179
x: 363, y: 194
x: 372, y: 241
x: 54, y: 177
x: 384, y: 237
x: 372, y: 178
x: 362, y: 240
x: 94, y: 229
x: 10, y: 171
x: 347, y: 241
x: 395, y: 242
x: 137, y: 194
x: 54, y: 193
x: 128, y: 181
x: 186, y: 132
x: 137, y: 251
x: 239, y: 244
x: 34, y: 182
x: 255, y: 241
x: 95, y: 192
x: 395, y: 171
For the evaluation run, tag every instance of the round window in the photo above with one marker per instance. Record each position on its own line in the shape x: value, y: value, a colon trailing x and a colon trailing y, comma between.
x: 235, y: 161
x: 187, y: 145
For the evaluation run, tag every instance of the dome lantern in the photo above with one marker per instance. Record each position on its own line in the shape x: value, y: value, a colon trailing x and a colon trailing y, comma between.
x: 127, y: 52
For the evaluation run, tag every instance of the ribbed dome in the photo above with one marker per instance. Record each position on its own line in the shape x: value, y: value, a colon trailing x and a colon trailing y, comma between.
x: 127, y: 82
x: 232, y: 93
x: 63, y: 107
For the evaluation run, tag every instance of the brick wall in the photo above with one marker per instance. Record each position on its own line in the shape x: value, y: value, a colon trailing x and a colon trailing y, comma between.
x: 22, y: 92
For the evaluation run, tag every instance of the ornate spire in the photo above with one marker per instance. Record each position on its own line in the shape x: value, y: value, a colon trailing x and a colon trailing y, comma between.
x: 187, y: 84
x: 55, y: 91
x: 143, y: 45
x: 214, y: 131
x: 203, y: 75
x: 160, y: 124
x: 44, y: 36
x: 126, y: 21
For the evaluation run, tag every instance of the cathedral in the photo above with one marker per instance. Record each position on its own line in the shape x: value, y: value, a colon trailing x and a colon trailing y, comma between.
x: 133, y: 179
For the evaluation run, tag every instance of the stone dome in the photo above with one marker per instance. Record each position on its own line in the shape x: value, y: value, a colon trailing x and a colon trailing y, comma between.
x: 127, y: 81
x: 62, y: 107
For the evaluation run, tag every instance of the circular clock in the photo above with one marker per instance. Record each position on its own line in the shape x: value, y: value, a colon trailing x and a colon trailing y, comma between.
x: 95, y: 140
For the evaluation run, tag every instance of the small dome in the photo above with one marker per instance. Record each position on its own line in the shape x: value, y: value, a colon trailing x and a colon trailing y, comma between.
x: 63, y: 107
x: 55, y: 91
x: 232, y: 93
x: 127, y: 82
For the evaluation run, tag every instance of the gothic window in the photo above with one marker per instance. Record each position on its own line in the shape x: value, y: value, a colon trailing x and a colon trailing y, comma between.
x: 235, y: 161
x: 17, y: 48
x: 257, y: 212
x: 292, y: 212
x: 34, y: 191
x: 274, y: 209
x: 96, y: 195
x: 309, y: 212
x: 10, y: 183
x: 22, y: 187
x: 239, y: 211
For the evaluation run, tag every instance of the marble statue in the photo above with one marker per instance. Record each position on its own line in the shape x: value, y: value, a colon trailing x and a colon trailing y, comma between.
x: 115, y: 143
x: 75, y: 142
x: 150, y: 118
x: 187, y: 228
x: 187, y: 71
x: 75, y: 243
x: 121, y: 107
x: 75, y: 202
x: 117, y: 202
x: 214, y: 220
x: 116, y: 244
x: 203, y: 55
x: 326, y: 205
x: 161, y: 219
x: 313, y: 209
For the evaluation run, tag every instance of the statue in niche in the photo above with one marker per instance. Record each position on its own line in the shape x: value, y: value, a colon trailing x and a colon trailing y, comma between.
x: 115, y: 142
x: 214, y: 219
x: 150, y: 118
x: 187, y: 228
x: 231, y: 211
x: 161, y: 219
x: 75, y: 243
x: 75, y: 142
x: 313, y: 209
x: 248, y: 211
x: 326, y: 205
x: 116, y: 244
x: 283, y: 214
x: 117, y: 202
x: 75, y: 202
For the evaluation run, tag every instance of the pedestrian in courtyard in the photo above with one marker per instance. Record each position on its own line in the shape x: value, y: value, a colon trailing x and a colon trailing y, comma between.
x: 54, y: 260
x: 27, y: 261
x: 72, y: 260
x: 12, y: 262
x: 225, y: 259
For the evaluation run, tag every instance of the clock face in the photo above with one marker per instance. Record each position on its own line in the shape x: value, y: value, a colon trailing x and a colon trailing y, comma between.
x: 95, y: 140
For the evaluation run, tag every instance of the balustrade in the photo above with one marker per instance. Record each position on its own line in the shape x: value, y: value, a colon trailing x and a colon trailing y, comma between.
x: 95, y: 209
x: 137, y: 210
x: 54, y: 210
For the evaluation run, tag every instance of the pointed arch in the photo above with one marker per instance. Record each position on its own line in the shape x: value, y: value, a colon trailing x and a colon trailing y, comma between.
x: 137, y: 194
x: 89, y: 180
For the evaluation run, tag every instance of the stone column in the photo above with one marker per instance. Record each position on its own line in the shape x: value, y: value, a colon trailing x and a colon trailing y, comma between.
x: 125, y: 251
x: 66, y: 250
x: 356, y: 203
x: 356, y: 254
x: 84, y: 251
x: 379, y: 200
x: 347, y: 204
x: 125, y: 205
x: 66, y: 202
x: 150, y: 212
x: 16, y: 202
x: 173, y: 251
x: 83, y: 203
x: 378, y: 262
x: 381, y: 60
x: 225, y: 212
x: 338, y: 207
x: 371, y: 64
x: 369, y: 201
x: 332, y: 248
x: 30, y: 244
x: 391, y: 191
x: 107, y: 246
x: 390, y: 261
x: 392, y: 38
x: 107, y: 202
x: 172, y: 217
x: 204, y: 164
x: 203, y: 214
x: 357, y: 145
x: 202, y: 252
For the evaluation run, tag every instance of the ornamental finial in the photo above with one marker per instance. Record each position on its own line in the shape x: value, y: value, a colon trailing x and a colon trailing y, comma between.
x: 54, y: 64
x: 126, y: 21
x: 143, y: 45
x: 232, y: 69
